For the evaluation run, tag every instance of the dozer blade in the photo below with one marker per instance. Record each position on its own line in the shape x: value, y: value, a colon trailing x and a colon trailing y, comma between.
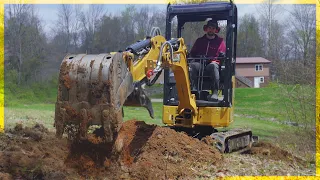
x: 92, y: 90
x: 233, y: 140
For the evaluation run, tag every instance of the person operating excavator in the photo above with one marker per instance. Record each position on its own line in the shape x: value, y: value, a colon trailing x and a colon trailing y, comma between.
x: 209, y: 45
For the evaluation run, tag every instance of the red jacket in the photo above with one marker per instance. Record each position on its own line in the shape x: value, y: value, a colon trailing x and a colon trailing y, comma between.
x: 208, y: 47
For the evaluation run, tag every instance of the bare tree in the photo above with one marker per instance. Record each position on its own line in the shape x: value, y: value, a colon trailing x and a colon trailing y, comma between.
x: 128, y: 25
x: 142, y: 19
x: 89, y: 20
x: 268, y: 17
x: 25, y: 42
x: 249, y: 40
x: 16, y: 16
x: 303, y: 32
x: 64, y: 23
x: 76, y: 26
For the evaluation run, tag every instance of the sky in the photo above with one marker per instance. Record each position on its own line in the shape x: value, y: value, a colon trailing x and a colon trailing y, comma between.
x: 48, y: 12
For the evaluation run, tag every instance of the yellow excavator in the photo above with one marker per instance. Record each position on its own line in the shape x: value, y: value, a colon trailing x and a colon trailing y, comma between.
x: 93, y: 88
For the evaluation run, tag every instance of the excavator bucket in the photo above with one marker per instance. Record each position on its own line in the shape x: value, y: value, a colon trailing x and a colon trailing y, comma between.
x: 92, y: 90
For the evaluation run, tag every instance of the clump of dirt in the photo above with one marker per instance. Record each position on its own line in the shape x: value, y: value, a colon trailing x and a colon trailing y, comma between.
x: 268, y: 150
x: 36, y: 132
x: 209, y: 140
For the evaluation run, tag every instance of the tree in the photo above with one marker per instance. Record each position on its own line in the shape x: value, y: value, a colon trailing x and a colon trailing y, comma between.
x: 249, y: 42
x: 15, y: 18
x: 25, y: 42
x: 128, y: 25
x: 107, y: 35
x: 67, y: 27
x: 269, y: 27
x: 89, y: 23
x: 272, y: 33
x: 303, y: 32
x: 143, y: 22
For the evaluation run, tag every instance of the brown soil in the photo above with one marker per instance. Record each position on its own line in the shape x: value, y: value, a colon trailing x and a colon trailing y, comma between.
x: 268, y: 150
x: 32, y: 153
x: 140, y: 151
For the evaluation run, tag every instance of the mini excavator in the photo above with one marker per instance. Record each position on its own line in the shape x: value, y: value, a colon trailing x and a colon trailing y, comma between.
x: 93, y: 88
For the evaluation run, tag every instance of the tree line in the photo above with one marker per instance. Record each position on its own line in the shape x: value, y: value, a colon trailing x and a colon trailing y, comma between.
x: 33, y: 55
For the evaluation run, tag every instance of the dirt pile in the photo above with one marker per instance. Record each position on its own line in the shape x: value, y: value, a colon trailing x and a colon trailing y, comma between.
x: 162, y: 153
x: 141, y: 151
x: 268, y: 150
x: 32, y: 153
x: 144, y: 151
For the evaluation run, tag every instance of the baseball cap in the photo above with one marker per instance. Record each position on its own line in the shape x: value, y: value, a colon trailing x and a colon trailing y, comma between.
x: 212, y: 23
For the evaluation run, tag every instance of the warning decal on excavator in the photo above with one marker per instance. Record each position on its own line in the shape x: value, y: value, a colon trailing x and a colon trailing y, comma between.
x: 176, y: 58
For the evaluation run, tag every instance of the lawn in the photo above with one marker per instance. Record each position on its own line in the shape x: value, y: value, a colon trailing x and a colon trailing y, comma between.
x: 261, y: 109
x: 44, y: 114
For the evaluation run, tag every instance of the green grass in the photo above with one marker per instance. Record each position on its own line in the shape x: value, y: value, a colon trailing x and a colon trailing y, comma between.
x: 264, y: 129
x: 40, y: 107
x: 29, y: 115
x: 260, y: 102
x: 156, y: 96
x: 253, y: 109
x: 44, y: 113
x: 284, y: 103
x: 140, y: 113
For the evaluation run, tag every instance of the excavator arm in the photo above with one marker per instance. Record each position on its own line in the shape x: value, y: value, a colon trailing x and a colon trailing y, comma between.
x: 141, y: 59
x: 175, y: 58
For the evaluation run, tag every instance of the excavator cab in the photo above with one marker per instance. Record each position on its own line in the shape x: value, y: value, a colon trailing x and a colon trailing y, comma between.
x: 209, y: 115
x: 186, y: 13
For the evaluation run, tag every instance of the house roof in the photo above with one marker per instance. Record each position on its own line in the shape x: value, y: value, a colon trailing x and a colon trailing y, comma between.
x: 248, y: 60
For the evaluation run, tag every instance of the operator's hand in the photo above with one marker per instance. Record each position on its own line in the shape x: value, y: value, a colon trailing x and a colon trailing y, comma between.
x: 222, y: 54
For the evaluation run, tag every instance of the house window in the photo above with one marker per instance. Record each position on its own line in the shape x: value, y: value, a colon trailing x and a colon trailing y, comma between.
x: 261, y: 79
x: 259, y: 67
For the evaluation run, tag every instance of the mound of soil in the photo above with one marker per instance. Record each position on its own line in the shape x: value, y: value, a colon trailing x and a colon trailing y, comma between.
x: 141, y: 151
x: 32, y: 153
x: 268, y: 150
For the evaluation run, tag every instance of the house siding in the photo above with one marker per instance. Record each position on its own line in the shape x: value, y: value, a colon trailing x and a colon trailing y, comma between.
x: 266, y: 80
x: 248, y: 70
